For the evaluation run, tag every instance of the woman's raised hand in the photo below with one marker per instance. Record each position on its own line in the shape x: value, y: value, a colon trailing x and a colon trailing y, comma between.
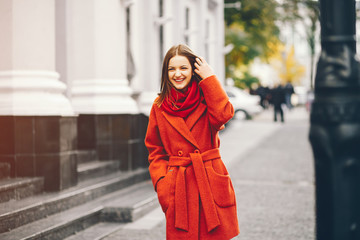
x: 202, y: 68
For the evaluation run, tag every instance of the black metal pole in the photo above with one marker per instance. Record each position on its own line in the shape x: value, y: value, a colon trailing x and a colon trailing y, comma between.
x: 335, y: 125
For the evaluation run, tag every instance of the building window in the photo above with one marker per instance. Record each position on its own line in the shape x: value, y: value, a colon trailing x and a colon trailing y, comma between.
x: 187, y: 25
x: 161, y: 30
x: 207, y: 39
x: 131, y: 71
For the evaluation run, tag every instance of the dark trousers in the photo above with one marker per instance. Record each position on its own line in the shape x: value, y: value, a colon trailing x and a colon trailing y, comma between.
x: 278, y: 109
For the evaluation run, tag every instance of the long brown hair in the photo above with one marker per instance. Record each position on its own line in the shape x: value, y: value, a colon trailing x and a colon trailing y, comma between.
x: 165, y: 87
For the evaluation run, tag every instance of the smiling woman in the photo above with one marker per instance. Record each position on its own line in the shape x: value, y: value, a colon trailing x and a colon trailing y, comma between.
x: 193, y: 186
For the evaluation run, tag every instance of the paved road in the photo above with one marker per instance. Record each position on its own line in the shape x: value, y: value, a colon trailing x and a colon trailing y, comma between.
x: 272, y: 171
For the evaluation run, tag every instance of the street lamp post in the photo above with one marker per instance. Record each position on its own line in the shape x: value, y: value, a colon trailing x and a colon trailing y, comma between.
x: 335, y: 125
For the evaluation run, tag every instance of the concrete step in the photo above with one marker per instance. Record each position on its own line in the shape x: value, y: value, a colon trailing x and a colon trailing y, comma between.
x: 90, y: 170
x: 96, y: 232
x: 19, y: 188
x: 15, y: 214
x: 86, y: 156
x: 124, y: 205
x: 130, y: 204
x: 4, y: 170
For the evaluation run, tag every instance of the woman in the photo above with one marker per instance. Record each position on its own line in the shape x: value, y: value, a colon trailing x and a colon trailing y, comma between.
x: 192, y: 183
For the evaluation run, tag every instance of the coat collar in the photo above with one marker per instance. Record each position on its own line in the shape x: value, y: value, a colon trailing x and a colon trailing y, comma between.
x: 184, y: 127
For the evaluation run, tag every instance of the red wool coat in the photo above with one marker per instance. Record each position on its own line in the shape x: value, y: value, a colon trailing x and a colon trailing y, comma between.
x: 192, y: 183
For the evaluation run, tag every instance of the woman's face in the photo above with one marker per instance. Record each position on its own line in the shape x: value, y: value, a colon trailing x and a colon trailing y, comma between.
x: 179, y: 72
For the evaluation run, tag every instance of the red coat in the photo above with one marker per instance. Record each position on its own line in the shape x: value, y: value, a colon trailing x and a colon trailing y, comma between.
x: 192, y: 183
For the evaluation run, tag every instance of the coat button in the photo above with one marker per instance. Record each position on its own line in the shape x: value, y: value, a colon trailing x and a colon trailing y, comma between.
x: 196, y: 151
x: 180, y: 153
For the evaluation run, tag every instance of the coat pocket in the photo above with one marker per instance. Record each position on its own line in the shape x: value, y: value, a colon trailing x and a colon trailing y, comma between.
x: 221, y: 188
x: 163, y: 191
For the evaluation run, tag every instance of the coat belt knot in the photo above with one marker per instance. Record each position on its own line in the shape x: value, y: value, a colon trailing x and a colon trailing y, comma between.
x: 181, y: 212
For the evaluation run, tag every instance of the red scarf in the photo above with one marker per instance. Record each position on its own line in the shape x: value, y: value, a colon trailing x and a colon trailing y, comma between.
x: 181, y: 104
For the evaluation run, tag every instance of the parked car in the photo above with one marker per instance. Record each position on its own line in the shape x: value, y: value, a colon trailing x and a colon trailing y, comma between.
x: 244, y: 103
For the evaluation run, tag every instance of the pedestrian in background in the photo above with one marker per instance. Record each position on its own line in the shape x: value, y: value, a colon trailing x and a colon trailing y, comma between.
x: 263, y: 92
x: 289, y: 91
x: 192, y: 183
x: 277, y: 99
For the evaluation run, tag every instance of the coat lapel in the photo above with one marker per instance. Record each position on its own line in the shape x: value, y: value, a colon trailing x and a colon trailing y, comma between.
x: 179, y: 124
x: 194, y: 116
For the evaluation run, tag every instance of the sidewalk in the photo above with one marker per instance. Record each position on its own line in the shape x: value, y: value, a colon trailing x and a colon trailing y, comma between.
x: 274, y: 179
x: 271, y: 168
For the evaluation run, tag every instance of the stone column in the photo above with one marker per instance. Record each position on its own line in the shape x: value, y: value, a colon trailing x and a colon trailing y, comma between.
x: 37, y: 121
x: 108, y: 115
x: 145, y: 38
x: 219, y: 63
x: 147, y: 57
x: 178, y: 23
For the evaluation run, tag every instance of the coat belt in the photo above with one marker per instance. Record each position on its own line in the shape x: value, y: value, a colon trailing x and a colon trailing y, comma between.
x: 207, y: 200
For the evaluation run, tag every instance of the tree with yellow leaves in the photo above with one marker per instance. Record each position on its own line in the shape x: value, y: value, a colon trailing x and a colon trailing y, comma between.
x: 289, y: 69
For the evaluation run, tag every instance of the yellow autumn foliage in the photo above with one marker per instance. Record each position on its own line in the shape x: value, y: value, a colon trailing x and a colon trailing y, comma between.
x: 285, y: 63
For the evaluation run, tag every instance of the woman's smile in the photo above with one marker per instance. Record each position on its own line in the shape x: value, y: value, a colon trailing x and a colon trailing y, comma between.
x: 180, y: 79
